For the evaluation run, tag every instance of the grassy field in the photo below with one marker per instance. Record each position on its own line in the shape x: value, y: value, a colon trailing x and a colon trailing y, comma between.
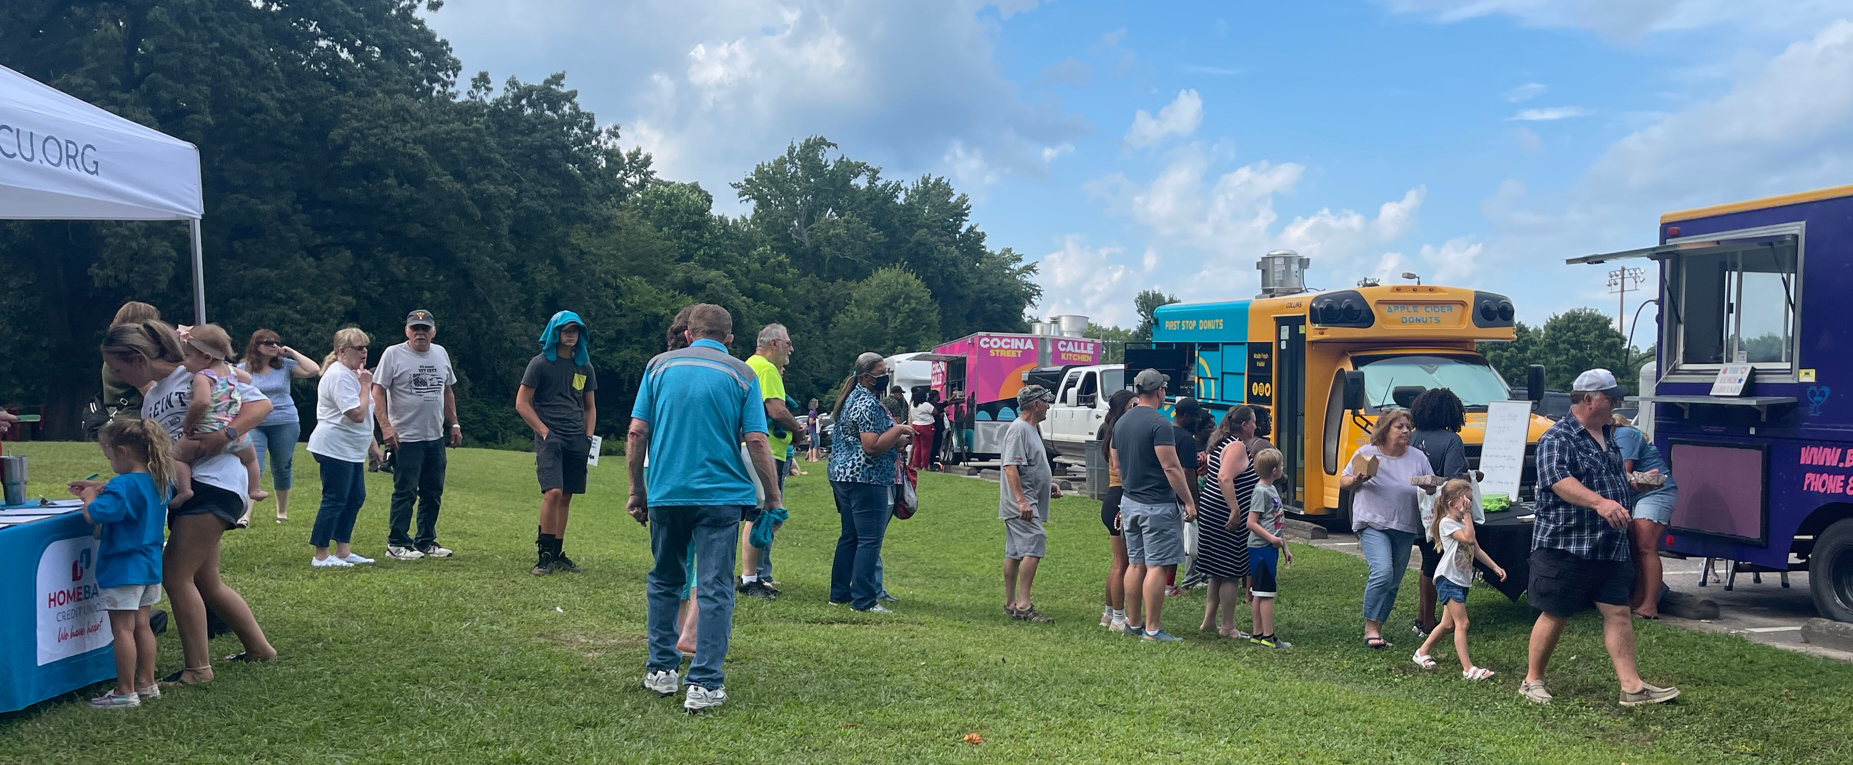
x: 473, y: 660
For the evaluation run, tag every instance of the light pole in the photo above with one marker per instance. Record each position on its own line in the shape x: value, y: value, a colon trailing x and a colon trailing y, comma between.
x: 1621, y: 280
x: 1412, y: 275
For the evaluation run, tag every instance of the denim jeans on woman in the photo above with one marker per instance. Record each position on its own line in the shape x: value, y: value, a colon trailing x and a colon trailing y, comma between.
x: 865, y: 511
x: 1387, y: 553
x: 344, y: 490
x: 711, y: 533
x: 278, y: 442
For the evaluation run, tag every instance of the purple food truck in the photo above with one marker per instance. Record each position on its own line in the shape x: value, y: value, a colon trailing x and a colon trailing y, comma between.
x: 1753, y: 403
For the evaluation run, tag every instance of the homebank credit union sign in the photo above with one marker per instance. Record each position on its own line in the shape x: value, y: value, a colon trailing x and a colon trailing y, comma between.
x: 71, y: 619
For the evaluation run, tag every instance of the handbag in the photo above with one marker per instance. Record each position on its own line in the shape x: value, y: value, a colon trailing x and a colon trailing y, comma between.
x: 906, y: 495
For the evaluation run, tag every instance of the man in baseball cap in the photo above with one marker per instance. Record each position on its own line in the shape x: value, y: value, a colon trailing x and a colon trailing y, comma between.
x: 413, y: 399
x: 1154, y: 483
x: 1580, y: 547
x: 1149, y: 381
x: 1023, y: 501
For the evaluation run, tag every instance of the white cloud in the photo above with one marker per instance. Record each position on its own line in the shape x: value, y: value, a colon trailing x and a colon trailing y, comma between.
x: 1526, y: 92
x: 1631, y: 19
x: 968, y: 165
x: 1179, y: 119
x: 1456, y: 261
x: 1051, y: 153
x: 711, y: 89
x: 1548, y: 114
x: 1090, y: 281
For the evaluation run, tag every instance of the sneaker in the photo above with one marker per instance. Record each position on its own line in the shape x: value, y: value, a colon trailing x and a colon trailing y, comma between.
x: 838, y: 603
x: 1117, y: 624
x: 1161, y: 636
x: 112, y: 701
x: 1134, y: 630
x: 662, y: 682
x: 1416, y: 629
x: 434, y: 551
x: 397, y: 552
x: 1534, y: 690
x: 543, y: 566
x: 886, y: 598
x: 149, y: 693
x: 355, y: 559
x: 1106, y: 618
x: 563, y: 564
x: 1648, y: 694
x: 874, y: 609
x: 1270, y: 641
x: 701, y: 699
x: 330, y: 562
x: 1174, y: 592
x: 757, y: 589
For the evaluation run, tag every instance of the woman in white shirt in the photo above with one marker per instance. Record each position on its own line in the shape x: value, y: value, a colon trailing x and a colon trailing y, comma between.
x: 920, y: 416
x: 146, y: 356
x: 342, y: 440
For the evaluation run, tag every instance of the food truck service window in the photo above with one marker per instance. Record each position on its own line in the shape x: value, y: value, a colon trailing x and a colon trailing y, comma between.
x: 1734, y: 306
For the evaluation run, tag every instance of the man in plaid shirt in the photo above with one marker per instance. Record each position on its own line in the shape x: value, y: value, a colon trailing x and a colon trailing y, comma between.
x: 1580, y: 540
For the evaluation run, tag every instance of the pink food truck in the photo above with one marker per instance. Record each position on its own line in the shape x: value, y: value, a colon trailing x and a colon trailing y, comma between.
x: 981, y: 374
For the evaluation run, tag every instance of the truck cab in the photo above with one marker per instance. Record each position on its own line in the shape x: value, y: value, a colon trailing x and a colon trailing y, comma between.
x: 1081, y: 396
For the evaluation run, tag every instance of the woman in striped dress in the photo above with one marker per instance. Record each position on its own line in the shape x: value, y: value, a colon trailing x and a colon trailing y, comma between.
x: 1222, y: 544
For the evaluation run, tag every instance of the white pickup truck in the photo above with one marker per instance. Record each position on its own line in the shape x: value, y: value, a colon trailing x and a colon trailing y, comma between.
x: 1080, y: 406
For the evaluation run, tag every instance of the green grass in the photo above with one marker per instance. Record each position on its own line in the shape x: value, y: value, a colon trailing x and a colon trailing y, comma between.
x: 473, y: 660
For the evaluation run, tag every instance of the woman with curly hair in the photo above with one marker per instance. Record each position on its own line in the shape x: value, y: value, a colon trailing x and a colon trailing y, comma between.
x: 1439, y: 417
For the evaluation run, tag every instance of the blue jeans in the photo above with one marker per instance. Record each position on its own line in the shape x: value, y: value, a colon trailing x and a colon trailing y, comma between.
x: 279, y: 442
x: 417, y: 474
x: 1387, y: 552
x: 344, y: 490
x: 714, y: 532
x: 865, y: 511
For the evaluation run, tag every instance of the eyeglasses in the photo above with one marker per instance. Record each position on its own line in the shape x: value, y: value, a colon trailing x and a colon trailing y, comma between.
x: 361, y: 348
x: 271, y: 343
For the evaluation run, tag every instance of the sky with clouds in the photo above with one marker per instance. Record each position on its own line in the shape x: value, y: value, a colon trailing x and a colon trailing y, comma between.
x: 1130, y: 146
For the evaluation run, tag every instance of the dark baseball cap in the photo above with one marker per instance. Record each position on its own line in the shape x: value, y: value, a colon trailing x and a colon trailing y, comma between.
x: 1187, y: 405
x: 420, y: 316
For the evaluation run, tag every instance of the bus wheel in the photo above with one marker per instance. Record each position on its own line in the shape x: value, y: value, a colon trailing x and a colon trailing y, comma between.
x: 1830, y: 572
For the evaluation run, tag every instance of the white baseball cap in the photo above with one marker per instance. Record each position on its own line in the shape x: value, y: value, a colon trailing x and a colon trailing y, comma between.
x: 1599, y: 381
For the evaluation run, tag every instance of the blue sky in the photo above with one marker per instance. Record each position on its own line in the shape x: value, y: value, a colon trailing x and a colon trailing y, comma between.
x: 1127, y: 146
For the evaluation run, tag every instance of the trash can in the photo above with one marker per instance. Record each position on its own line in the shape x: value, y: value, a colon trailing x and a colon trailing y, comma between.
x: 1096, y: 471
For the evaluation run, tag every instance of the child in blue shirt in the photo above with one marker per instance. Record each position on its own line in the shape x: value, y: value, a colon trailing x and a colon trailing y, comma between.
x: 130, y: 511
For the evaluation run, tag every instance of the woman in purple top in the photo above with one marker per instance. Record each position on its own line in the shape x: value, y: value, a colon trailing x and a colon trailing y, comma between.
x: 1385, y: 514
x: 272, y: 365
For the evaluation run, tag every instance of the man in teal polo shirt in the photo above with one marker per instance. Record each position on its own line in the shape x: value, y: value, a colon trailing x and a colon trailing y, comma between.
x: 695, y: 407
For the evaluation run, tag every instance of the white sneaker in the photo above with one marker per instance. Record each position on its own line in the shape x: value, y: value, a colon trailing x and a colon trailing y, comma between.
x: 434, y: 551
x: 1118, y: 625
x: 149, y: 693
x: 662, y: 682
x: 355, y: 559
x: 396, y: 552
x: 874, y: 609
x: 1106, y: 618
x: 330, y: 562
x: 701, y: 699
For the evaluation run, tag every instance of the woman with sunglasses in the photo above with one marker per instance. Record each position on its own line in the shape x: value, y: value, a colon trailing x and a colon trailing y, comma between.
x: 341, y: 443
x: 272, y: 365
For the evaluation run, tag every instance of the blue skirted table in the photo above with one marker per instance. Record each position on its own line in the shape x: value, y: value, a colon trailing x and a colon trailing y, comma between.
x: 54, y: 633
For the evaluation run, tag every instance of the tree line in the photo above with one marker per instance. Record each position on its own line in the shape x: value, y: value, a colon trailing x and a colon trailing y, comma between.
x: 351, y: 176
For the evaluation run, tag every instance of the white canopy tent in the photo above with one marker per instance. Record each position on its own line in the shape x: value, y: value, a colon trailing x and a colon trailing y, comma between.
x: 64, y: 159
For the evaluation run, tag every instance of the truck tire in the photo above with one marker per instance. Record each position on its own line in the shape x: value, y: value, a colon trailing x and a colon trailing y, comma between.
x: 1830, y: 572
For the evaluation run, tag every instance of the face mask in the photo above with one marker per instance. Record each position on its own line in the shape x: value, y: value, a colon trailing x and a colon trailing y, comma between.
x: 880, y: 385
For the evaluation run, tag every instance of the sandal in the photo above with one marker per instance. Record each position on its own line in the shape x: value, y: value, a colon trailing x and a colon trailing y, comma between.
x: 1423, y: 660
x: 1477, y: 673
x: 178, y: 677
x: 1377, y: 643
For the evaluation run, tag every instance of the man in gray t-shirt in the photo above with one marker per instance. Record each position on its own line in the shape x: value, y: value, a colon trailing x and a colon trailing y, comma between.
x: 1023, y: 501
x: 412, y: 400
x: 1153, y: 523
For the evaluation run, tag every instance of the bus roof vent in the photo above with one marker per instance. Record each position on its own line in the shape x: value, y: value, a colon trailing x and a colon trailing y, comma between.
x: 1283, y: 272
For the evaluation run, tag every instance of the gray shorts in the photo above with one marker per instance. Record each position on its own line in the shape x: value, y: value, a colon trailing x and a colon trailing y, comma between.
x: 1024, y: 539
x: 1154, y: 533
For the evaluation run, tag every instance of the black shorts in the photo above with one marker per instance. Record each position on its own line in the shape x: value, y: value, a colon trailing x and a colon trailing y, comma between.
x: 1431, y: 557
x: 223, y: 504
x: 1563, y: 584
x: 1110, y: 509
x: 560, y: 461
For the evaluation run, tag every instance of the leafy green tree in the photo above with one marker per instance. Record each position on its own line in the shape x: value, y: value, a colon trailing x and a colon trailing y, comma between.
x: 1578, y: 340
x: 890, y: 312
x: 1512, y: 358
x: 1145, y: 304
x: 1114, y: 339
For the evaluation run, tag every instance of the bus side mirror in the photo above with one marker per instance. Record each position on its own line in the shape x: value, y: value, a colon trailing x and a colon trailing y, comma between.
x: 1534, y: 383
x: 1354, y: 391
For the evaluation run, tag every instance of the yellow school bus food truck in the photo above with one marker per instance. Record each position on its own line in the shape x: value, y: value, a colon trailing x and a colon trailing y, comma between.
x: 1325, y: 364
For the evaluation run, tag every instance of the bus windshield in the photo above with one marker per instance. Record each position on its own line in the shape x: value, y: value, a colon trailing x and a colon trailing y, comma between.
x: 1469, y: 377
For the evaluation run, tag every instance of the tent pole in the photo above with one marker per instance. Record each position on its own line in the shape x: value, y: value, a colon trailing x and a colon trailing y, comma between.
x: 199, y: 276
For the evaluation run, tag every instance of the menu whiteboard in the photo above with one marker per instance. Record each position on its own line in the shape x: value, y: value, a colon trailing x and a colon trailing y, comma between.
x: 1502, y: 454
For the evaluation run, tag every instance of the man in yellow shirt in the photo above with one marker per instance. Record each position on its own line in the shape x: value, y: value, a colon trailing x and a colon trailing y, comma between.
x: 773, y: 353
